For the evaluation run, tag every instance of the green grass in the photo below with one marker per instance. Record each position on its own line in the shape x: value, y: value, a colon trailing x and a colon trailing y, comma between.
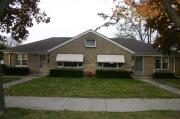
x: 92, y: 88
x: 30, y: 114
x: 7, y: 79
x: 171, y: 82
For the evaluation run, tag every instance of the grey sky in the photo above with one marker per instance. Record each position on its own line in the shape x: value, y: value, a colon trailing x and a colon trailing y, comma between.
x: 71, y: 17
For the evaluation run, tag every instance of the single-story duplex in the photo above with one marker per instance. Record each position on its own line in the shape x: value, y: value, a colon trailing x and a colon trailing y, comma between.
x: 91, y: 50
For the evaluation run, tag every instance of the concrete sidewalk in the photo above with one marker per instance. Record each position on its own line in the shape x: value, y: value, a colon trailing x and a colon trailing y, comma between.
x: 88, y: 104
x: 165, y: 87
x: 22, y: 80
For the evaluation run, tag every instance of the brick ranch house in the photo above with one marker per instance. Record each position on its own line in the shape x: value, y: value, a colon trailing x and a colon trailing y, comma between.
x: 91, y: 49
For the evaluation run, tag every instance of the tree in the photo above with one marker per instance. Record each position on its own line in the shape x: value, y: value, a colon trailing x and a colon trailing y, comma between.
x: 162, y: 16
x: 9, y: 43
x: 15, y: 17
x: 18, y: 15
x: 128, y: 23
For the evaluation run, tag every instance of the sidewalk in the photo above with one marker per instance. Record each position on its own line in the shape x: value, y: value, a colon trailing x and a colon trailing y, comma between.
x: 165, y: 87
x: 22, y: 80
x: 88, y: 104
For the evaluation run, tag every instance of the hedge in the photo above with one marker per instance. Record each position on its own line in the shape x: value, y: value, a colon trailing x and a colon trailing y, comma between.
x: 2, y: 68
x: 163, y: 75
x: 66, y: 73
x: 16, y: 71
x: 103, y: 73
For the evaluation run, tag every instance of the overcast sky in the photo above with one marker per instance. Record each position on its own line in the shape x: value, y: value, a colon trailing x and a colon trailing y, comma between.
x: 70, y: 18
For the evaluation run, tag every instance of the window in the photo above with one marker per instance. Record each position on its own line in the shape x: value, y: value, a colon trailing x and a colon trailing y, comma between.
x: 161, y: 62
x: 110, y: 61
x: 70, y: 64
x: 158, y: 63
x: 21, y: 60
x: 90, y: 43
x: 42, y: 61
x: 109, y: 65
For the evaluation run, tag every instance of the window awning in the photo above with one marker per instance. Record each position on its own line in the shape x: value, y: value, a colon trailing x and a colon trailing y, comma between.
x: 69, y: 58
x: 110, y: 59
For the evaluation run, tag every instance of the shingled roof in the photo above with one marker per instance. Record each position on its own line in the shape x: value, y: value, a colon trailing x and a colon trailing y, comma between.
x: 43, y: 46
x: 136, y: 46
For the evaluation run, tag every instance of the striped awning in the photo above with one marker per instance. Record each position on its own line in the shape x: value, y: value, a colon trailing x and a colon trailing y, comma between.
x: 69, y: 58
x: 110, y: 59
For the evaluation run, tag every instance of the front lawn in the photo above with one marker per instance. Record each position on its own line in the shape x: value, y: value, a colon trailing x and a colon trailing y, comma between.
x: 92, y: 88
x: 7, y: 79
x: 171, y: 82
x: 30, y: 114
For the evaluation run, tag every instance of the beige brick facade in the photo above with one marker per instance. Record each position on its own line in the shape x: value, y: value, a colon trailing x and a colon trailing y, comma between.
x: 104, y: 47
x: 149, y: 64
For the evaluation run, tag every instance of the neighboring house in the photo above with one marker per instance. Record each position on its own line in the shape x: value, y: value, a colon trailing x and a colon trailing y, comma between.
x: 91, y: 49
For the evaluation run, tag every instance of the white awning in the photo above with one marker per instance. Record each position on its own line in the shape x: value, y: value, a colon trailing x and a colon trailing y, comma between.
x: 110, y: 58
x: 69, y: 58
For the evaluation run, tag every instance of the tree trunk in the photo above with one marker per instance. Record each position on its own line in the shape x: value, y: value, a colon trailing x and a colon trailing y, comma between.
x: 2, y: 102
x: 172, y: 13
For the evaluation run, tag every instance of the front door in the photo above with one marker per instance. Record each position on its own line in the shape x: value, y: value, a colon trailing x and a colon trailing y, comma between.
x: 42, y: 64
x: 138, y: 66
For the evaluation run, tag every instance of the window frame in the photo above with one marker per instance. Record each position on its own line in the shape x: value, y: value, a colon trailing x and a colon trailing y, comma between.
x: 117, y: 66
x: 62, y: 66
x: 90, y: 46
x: 161, y: 62
x: 22, y: 57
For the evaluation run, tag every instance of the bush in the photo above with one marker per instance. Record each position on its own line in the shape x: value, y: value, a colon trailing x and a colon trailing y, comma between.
x: 113, y: 74
x: 2, y: 68
x: 163, y: 75
x: 66, y: 73
x: 16, y: 71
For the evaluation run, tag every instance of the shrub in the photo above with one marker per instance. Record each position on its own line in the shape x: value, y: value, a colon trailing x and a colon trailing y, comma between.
x: 66, y: 73
x: 104, y: 73
x: 16, y: 71
x: 163, y: 75
x: 2, y: 68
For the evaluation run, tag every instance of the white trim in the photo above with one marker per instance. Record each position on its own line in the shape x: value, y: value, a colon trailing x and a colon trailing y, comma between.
x: 77, y: 66
x: 103, y: 67
x: 88, y: 31
x: 161, y: 64
x: 89, y: 46
x: 21, y: 65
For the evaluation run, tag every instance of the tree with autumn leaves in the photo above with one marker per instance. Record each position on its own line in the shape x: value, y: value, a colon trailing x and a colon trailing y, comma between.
x: 161, y: 17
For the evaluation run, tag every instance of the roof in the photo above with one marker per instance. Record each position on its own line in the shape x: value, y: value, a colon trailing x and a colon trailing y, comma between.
x: 136, y: 46
x: 44, y: 46
x: 41, y: 46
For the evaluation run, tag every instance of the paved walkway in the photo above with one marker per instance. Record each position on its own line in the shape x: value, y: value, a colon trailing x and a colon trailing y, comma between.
x: 165, y: 87
x: 87, y: 104
x: 22, y: 80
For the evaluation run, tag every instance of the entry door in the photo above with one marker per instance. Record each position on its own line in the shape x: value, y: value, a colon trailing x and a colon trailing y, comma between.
x: 42, y: 64
x: 138, y: 66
